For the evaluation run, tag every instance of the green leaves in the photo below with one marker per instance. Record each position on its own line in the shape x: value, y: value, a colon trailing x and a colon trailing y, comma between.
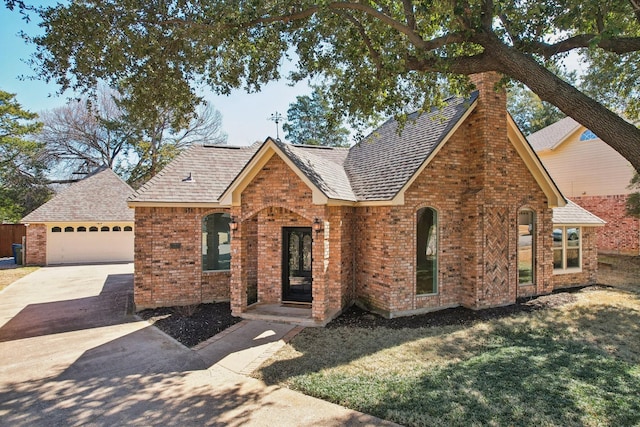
x: 22, y: 181
x: 311, y: 121
x: 371, y: 57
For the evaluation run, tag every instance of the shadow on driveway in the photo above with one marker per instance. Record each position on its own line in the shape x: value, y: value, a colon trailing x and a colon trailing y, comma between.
x: 114, y: 305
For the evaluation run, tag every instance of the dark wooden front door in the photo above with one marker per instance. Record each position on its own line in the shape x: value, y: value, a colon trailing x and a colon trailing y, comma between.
x: 296, y: 264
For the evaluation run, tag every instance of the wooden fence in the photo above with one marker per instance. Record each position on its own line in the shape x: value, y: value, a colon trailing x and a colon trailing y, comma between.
x: 9, y: 234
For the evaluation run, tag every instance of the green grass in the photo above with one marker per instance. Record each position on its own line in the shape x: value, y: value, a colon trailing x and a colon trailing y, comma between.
x: 578, y: 364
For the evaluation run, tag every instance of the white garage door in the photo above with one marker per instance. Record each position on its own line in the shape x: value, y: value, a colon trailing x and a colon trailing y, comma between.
x: 90, y: 243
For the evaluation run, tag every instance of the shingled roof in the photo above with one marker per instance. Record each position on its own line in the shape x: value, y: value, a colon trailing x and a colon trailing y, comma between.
x: 324, y: 166
x: 551, y: 136
x: 200, y: 174
x: 375, y: 169
x: 380, y: 165
x: 572, y: 214
x: 99, y: 197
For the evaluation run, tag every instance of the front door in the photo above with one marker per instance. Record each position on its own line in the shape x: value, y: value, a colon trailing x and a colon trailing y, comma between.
x: 296, y: 264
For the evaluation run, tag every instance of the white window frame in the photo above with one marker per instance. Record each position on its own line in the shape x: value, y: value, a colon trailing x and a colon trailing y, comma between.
x: 565, y: 246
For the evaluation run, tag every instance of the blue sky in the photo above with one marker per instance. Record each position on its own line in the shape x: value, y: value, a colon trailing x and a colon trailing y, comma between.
x: 245, y: 117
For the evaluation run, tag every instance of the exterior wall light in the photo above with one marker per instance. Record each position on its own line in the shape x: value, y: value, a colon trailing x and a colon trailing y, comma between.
x: 233, y: 225
x: 317, y: 225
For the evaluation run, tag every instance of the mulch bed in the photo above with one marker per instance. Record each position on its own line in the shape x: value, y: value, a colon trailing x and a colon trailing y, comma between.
x: 191, y: 325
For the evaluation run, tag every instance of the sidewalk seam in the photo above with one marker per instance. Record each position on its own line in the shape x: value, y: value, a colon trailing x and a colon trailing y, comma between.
x: 270, y: 351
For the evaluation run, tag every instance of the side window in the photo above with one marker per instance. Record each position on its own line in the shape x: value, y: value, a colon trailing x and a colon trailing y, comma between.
x: 567, y: 249
x: 216, y: 242
x: 426, y: 251
x: 526, y: 247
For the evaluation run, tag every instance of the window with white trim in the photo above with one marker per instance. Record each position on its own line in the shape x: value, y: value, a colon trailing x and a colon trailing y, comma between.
x: 567, y: 249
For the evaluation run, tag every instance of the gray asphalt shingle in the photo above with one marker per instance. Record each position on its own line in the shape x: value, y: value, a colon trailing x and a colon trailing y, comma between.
x: 99, y: 197
x: 375, y: 169
x: 572, y: 214
x: 380, y: 165
x: 547, y: 138
x: 211, y: 167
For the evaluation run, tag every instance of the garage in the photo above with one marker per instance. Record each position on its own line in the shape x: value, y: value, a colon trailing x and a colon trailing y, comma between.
x: 89, y: 243
x: 88, y: 222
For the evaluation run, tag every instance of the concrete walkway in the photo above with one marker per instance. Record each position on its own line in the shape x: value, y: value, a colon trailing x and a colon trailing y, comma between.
x: 71, y: 353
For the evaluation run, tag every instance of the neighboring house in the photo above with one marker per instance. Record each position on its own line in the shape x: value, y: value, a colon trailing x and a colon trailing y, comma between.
x: 456, y: 210
x: 594, y: 175
x: 88, y: 222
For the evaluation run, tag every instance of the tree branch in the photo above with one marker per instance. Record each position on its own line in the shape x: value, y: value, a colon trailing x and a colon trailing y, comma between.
x: 479, y: 63
x: 635, y: 4
x: 487, y: 15
x: 375, y: 55
x: 617, y: 45
x: 409, y: 14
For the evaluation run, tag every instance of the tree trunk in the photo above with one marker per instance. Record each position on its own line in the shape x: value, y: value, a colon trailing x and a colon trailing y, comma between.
x: 621, y: 135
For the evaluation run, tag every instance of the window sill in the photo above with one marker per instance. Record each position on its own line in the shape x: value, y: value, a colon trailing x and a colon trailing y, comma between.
x: 567, y: 271
x: 216, y: 271
x: 427, y: 295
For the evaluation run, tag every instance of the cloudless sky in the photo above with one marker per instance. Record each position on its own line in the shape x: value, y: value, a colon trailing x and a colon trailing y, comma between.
x: 245, y: 117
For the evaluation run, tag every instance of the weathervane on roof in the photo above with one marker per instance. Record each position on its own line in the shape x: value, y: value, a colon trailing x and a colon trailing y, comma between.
x: 277, y: 117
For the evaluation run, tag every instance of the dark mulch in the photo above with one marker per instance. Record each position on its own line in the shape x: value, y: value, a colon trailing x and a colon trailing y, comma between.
x: 191, y: 324
x: 357, y: 317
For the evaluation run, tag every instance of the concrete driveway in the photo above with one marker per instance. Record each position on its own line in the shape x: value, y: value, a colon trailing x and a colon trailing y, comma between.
x: 72, y: 353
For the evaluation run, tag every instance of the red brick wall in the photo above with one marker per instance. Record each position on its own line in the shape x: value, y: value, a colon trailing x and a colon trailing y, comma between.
x: 36, y: 242
x: 477, y: 184
x: 277, y: 198
x: 168, y: 259
x: 621, y: 234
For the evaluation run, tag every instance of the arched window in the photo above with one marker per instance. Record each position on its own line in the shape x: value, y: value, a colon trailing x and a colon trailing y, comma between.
x: 104, y: 228
x: 116, y: 228
x: 128, y: 228
x: 426, y: 251
x: 81, y: 229
x: 526, y: 246
x: 56, y: 230
x: 92, y: 229
x: 216, y: 242
x: 68, y: 229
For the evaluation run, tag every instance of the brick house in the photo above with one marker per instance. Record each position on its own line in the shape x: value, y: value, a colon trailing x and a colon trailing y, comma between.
x: 456, y: 210
x: 87, y: 222
x: 594, y: 175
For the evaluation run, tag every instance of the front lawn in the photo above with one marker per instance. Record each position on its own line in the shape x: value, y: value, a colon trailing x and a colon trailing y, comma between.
x: 572, y: 364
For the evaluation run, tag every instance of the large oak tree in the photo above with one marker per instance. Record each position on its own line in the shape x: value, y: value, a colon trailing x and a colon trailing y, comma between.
x: 376, y: 56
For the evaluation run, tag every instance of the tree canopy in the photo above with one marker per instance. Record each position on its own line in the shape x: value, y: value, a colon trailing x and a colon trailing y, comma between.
x: 23, y: 186
x: 101, y: 132
x: 310, y: 121
x: 376, y: 56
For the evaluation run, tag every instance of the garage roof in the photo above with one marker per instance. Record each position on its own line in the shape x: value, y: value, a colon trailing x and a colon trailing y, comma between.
x: 101, y: 196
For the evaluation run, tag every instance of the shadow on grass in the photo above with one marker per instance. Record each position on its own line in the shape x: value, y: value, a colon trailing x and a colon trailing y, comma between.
x: 522, y: 371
